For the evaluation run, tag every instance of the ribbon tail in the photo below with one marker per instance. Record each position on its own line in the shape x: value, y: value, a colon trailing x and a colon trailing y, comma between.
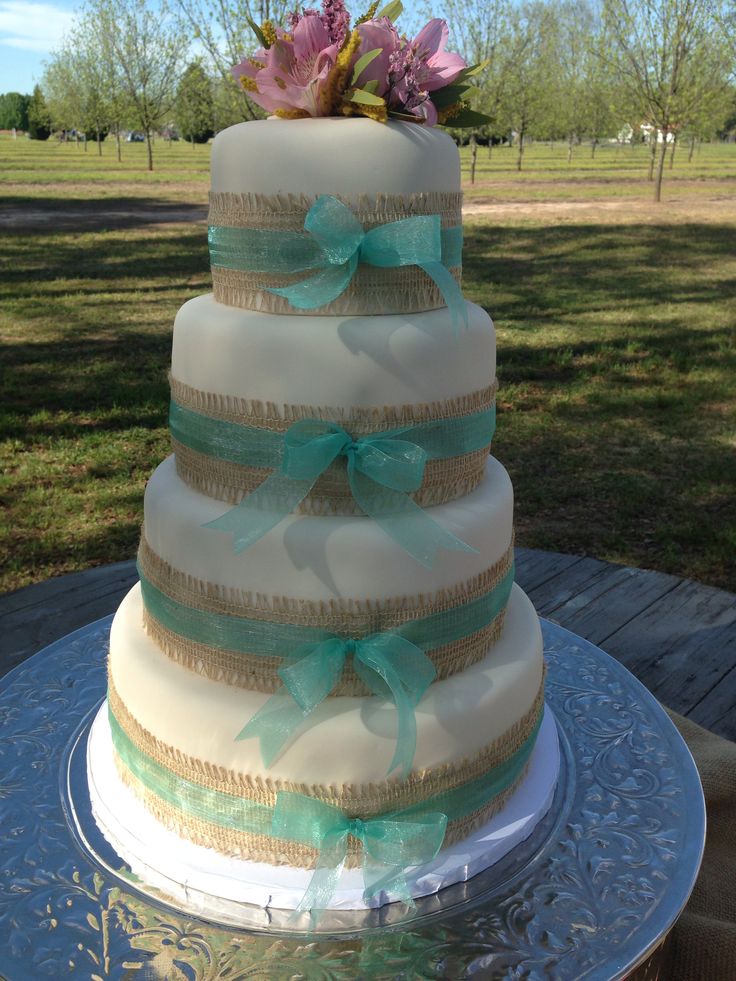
x: 403, y: 519
x: 273, y: 725
x: 451, y: 292
x: 326, y: 876
x: 381, y: 878
x: 319, y: 290
x: 262, y: 509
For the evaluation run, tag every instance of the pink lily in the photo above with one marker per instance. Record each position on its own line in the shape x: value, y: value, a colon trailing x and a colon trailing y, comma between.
x: 434, y: 67
x: 293, y: 74
x: 376, y: 34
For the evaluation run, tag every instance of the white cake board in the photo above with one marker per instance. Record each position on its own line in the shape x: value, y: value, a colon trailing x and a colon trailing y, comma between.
x: 204, y: 879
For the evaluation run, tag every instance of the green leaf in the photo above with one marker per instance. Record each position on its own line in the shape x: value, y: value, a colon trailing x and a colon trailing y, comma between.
x: 467, y: 118
x: 449, y: 95
x: 392, y: 10
x: 365, y: 98
x: 472, y: 70
x: 258, y: 32
x: 371, y: 86
x: 362, y: 63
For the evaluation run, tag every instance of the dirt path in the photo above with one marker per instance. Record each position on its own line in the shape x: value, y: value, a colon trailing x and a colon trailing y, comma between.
x: 54, y: 214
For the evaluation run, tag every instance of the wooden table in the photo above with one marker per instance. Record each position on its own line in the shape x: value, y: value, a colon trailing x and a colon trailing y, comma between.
x: 677, y: 636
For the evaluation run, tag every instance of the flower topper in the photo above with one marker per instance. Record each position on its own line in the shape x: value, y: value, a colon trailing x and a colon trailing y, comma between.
x: 319, y: 66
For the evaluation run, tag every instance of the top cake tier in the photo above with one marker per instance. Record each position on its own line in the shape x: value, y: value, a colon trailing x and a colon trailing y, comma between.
x: 270, y: 176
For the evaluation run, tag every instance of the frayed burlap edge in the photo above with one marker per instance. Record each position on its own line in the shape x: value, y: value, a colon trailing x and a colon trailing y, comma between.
x: 349, y: 616
x: 364, y: 800
x: 444, y: 480
x: 256, y: 672
x: 259, y: 672
x: 270, y: 850
x: 372, y: 291
x: 357, y: 420
x: 286, y: 212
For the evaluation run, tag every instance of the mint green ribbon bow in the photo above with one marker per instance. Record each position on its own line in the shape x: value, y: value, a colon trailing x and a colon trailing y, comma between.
x: 335, y: 245
x: 390, y: 666
x: 390, y: 845
x: 381, y: 470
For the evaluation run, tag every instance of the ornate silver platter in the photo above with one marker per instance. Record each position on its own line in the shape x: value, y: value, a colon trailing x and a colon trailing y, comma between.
x: 591, y: 893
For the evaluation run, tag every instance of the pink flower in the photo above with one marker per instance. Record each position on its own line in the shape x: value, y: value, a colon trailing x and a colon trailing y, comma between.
x: 292, y: 74
x: 433, y: 66
x: 376, y: 34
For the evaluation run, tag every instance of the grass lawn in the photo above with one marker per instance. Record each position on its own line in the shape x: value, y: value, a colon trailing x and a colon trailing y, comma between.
x: 616, y: 345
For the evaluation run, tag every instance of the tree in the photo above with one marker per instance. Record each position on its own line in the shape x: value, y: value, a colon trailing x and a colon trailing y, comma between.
x: 195, y: 108
x: 670, y: 55
x: 150, y: 48
x: 39, y: 117
x: 223, y: 30
x: 528, y: 96
x: 14, y: 111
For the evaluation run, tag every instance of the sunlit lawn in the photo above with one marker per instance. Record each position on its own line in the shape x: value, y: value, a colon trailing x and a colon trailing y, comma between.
x: 616, y: 351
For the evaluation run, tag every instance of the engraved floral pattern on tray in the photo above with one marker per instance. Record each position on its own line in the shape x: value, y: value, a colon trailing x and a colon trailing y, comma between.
x: 593, y: 890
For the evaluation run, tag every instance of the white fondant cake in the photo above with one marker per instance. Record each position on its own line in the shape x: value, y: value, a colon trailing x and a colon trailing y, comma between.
x: 298, y: 665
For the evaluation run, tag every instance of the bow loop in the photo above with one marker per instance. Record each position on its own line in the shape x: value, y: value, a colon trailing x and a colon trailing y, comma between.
x: 310, y: 446
x: 343, y: 244
x: 391, y: 667
x: 395, y: 463
x: 408, y: 242
x: 336, y: 229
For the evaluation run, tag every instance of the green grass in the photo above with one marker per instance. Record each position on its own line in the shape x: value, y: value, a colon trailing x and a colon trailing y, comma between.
x: 616, y: 361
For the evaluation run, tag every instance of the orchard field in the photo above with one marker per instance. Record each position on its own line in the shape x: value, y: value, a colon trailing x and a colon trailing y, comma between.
x: 616, y: 326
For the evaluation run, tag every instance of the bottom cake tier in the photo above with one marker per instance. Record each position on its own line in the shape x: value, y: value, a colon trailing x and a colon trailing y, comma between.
x: 209, y: 884
x: 173, y: 737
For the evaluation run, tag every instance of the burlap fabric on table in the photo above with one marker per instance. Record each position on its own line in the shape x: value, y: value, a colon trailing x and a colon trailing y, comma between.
x: 702, y: 945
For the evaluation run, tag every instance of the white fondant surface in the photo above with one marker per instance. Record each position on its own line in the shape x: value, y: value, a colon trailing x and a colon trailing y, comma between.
x: 204, y: 878
x: 333, y: 156
x: 331, y: 361
x: 346, y: 740
x: 320, y: 558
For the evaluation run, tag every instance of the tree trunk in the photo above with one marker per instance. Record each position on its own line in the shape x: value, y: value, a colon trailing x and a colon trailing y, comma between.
x: 569, y: 149
x: 85, y: 142
x: 521, y: 149
x: 473, y: 157
x: 652, y: 157
x: 672, y: 151
x: 692, y: 150
x: 593, y: 146
x: 660, y: 168
x: 99, y: 144
x: 117, y: 141
x: 149, y: 148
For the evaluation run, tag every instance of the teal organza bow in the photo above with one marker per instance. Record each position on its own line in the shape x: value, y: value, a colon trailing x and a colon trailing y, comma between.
x: 390, y: 845
x: 391, y: 667
x: 336, y: 245
x: 381, y: 470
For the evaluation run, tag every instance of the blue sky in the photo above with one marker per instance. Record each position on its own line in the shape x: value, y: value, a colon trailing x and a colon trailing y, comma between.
x: 29, y: 31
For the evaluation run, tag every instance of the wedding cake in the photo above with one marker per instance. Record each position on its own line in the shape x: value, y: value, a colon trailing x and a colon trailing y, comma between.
x: 326, y: 663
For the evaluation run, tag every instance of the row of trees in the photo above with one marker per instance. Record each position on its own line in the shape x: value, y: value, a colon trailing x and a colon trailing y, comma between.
x: 572, y: 69
x: 569, y: 69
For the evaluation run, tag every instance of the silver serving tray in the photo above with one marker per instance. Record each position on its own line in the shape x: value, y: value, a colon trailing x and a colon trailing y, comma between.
x: 590, y: 895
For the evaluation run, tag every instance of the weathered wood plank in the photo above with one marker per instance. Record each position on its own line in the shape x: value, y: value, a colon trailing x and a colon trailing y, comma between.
x: 34, y: 617
x: 681, y: 647
x: 717, y: 710
x: 612, y: 601
x: 573, y: 587
x: 534, y: 567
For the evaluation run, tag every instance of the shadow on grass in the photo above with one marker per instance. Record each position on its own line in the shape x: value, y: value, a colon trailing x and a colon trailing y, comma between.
x: 24, y: 214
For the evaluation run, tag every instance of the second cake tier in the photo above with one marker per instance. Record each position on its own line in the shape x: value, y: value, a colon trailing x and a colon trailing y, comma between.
x: 249, y: 389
